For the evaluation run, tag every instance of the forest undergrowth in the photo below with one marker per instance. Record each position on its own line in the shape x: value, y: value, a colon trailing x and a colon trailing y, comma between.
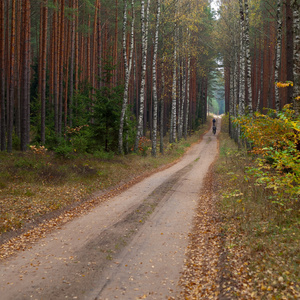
x: 260, y: 224
x: 40, y: 191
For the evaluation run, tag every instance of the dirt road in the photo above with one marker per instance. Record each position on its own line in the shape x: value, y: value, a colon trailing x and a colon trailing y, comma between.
x: 130, y: 247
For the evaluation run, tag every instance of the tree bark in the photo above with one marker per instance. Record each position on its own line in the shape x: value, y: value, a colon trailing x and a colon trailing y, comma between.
x: 289, y: 49
x: 174, y: 94
x: 10, y: 112
x: 242, y: 62
x: 127, y: 67
x: 278, y: 53
x: 43, y: 69
x: 25, y: 100
x: 61, y: 64
x: 248, y: 58
x: 154, y: 82
x: 186, y: 121
x: 143, y: 73
x: 2, y: 77
x: 296, y: 70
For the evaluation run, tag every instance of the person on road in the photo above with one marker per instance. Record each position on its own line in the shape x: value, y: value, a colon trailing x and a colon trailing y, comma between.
x: 214, y: 126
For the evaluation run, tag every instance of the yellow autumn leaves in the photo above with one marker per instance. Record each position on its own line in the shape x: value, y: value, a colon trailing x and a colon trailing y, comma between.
x: 284, y: 84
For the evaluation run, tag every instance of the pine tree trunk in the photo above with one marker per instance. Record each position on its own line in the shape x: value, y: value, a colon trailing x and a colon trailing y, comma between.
x: 55, y: 48
x: 115, y: 53
x: 154, y: 82
x: 2, y: 77
x: 76, y: 50
x: 61, y: 65
x: 278, y: 53
x: 12, y: 77
x: 43, y: 69
x: 73, y: 33
x: 18, y: 60
x: 25, y: 102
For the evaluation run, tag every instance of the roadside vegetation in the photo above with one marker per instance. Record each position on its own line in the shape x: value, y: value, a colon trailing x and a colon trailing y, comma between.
x: 259, y: 203
x: 38, y: 182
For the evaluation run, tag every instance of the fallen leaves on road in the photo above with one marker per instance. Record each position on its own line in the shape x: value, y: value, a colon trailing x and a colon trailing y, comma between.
x: 201, y: 276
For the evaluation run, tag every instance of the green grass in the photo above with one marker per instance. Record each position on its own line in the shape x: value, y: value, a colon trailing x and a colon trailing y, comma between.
x: 33, y: 185
x: 262, y: 238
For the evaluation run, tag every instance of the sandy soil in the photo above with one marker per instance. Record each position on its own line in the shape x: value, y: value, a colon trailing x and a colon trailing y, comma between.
x: 130, y: 247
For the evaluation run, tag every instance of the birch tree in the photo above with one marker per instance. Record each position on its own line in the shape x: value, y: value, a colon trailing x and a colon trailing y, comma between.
x: 278, y: 53
x: 242, y: 62
x: 186, y: 119
x: 248, y: 58
x: 127, y: 66
x: 154, y: 80
x: 174, y: 87
x: 144, y: 24
x: 296, y: 69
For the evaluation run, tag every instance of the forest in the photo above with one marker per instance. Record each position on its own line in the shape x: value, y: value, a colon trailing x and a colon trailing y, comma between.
x: 92, y: 76
x: 90, y: 88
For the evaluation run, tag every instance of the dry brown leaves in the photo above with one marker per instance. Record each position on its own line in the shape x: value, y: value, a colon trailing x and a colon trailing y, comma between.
x: 201, y: 276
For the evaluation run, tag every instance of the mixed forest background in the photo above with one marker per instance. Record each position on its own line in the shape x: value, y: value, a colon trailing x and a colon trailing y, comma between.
x: 96, y: 75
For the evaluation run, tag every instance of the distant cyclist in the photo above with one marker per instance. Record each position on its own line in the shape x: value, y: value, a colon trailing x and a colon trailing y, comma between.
x: 214, y: 126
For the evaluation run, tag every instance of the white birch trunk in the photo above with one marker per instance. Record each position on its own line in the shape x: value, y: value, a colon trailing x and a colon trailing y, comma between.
x: 186, y: 121
x: 154, y: 80
x: 127, y: 66
x: 242, y: 63
x: 143, y: 74
x: 162, y: 108
x: 278, y: 53
x: 296, y: 59
x: 174, y: 86
x: 248, y: 58
x: 182, y: 100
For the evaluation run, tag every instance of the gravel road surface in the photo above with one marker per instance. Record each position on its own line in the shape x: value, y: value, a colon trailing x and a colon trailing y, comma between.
x: 129, y: 247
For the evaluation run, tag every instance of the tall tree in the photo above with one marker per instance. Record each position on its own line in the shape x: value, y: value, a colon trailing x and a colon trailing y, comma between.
x: 61, y: 63
x: 242, y: 61
x: 11, y: 100
x: 248, y: 58
x: 2, y: 77
x: 144, y: 24
x: 154, y: 81
x: 43, y: 54
x: 296, y: 30
x: 25, y: 77
x: 127, y: 66
x: 278, y: 52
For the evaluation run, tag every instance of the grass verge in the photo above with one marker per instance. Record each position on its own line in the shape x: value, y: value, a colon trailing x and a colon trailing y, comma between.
x: 261, y: 238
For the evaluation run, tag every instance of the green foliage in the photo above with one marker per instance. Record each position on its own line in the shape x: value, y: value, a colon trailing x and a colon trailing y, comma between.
x: 275, y: 137
x: 106, y: 118
x: 64, y: 149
